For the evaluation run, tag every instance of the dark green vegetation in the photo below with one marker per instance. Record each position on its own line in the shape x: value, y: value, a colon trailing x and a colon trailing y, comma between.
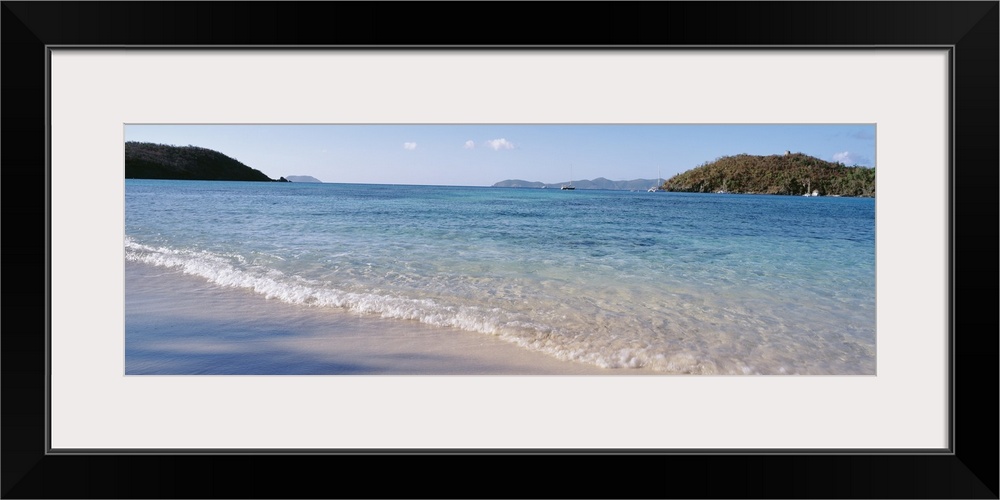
x: 792, y: 174
x: 145, y: 160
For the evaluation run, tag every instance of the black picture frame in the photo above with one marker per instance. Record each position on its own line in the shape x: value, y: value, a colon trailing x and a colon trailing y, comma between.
x: 968, y: 470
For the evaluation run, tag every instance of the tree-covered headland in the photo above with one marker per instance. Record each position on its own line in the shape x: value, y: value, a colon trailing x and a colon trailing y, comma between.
x: 144, y: 160
x: 788, y: 174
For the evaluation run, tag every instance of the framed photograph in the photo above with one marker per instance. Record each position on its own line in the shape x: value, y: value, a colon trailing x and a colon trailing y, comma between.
x: 417, y: 305
x: 419, y: 261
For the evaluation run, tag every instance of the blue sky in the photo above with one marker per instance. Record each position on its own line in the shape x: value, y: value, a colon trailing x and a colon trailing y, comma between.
x: 480, y: 155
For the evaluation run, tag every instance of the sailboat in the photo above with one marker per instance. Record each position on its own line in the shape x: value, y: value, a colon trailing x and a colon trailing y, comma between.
x: 723, y: 190
x: 570, y: 185
x: 658, y: 183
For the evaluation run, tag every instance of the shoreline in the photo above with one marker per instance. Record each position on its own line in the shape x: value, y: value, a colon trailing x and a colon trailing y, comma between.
x: 177, y: 324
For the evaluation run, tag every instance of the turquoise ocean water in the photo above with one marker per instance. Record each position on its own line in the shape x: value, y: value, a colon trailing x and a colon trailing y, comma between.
x: 673, y: 282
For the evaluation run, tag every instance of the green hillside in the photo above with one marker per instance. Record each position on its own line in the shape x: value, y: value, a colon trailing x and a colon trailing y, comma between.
x: 789, y: 174
x: 144, y: 160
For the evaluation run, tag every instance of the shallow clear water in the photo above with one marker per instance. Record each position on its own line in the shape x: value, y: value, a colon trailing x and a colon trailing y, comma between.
x: 675, y: 282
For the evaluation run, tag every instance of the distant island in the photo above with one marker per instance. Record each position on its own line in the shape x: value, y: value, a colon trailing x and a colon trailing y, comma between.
x: 301, y: 178
x: 787, y: 174
x: 598, y: 183
x: 146, y: 160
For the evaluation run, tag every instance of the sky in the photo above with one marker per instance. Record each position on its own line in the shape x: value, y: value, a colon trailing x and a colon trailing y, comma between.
x: 481, y: 155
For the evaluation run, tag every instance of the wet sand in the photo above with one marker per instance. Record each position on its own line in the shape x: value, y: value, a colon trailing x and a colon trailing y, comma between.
x: 176, y: 324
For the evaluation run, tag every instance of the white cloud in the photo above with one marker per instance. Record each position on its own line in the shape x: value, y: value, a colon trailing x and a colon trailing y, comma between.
x: 848, y: 158
x: 470, y: 144
x: 498, y: 144
x: 410, y: 145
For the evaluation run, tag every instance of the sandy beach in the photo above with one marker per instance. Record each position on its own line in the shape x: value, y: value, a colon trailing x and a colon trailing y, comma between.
x: 176, y: 324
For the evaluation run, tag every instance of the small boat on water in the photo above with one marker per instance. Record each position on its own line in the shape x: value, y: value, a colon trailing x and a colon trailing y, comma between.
x: 569, y: 186
x: 658, y: 185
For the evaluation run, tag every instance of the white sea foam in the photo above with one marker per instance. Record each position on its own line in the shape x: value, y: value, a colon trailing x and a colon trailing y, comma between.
x: 228, y: 271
